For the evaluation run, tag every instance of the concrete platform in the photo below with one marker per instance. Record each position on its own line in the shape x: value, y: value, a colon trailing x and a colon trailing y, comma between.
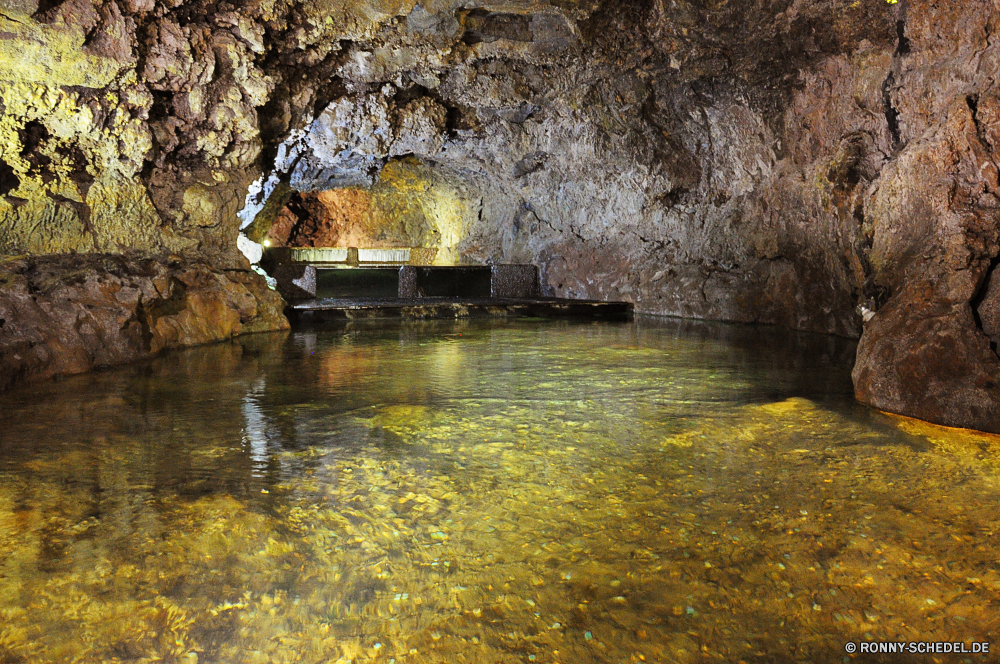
x: 334, y: 310
x: 306, y: 281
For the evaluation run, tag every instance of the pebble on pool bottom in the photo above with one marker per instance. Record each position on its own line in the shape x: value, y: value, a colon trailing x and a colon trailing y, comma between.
x: 580, y: 529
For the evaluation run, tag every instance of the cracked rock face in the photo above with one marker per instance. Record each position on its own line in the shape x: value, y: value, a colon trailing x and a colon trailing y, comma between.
x: 774, y: 162
x: 931, y: 350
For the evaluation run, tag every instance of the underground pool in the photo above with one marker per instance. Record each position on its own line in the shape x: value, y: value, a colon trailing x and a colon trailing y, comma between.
x: 478, y: 491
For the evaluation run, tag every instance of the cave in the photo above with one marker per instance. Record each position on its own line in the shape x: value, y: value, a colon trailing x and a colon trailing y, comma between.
x: 685, y: 343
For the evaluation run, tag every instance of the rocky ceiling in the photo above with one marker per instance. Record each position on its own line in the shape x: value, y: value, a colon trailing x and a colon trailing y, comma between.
x: 824, y: 165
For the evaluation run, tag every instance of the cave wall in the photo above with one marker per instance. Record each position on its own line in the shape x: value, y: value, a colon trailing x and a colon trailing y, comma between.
x: 633, y: 152
x: 933, y: 223
x: 411, y: 205
x: 823, y: 165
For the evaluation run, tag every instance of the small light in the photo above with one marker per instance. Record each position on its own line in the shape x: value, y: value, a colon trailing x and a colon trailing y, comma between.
x: 267, y: 243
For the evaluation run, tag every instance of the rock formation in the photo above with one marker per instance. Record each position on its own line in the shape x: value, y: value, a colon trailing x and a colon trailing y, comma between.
x: 68, y: 314
x: 807, y: 164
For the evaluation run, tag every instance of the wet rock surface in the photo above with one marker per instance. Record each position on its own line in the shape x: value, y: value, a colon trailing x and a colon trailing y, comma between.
x: 63, y: 316
x: 775, y: 162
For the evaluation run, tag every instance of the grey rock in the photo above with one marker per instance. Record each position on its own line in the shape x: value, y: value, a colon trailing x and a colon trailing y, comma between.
x: 296, y: 281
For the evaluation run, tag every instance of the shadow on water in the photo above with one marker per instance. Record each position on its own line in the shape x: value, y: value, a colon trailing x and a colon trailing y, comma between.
x: 446, y: 491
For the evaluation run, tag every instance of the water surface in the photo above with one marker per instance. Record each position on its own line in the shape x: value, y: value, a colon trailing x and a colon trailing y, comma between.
x: 532, y: 491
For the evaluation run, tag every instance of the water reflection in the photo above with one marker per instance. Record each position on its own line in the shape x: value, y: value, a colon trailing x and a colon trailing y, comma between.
x: 259, y: 434
x: 447, y: 492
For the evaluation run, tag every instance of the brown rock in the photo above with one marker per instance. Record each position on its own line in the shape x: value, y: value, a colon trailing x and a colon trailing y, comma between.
x: 68, y: 314
x: 935, y: 235
x: 334, y: 218
x: 938, y: 368
x: 988, y: 308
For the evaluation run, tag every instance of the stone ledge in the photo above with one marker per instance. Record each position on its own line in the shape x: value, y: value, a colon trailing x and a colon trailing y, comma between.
x: 336, y: 310
x: 66, y: 314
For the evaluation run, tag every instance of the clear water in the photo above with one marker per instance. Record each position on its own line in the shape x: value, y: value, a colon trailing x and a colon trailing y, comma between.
x: 532, y: 491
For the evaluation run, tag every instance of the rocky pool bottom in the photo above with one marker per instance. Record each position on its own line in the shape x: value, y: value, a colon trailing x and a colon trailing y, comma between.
x: 658, y: 491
